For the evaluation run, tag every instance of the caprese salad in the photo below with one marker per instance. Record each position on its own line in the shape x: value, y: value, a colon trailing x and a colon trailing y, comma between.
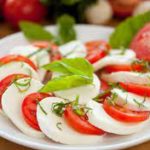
x: 75, y: 93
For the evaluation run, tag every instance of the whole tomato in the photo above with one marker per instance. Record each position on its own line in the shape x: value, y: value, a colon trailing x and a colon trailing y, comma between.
x: 123, y: 8
x: 17, y: 10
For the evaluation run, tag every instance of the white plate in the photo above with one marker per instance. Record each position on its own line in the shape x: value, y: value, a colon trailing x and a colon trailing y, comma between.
x: 10, y: 132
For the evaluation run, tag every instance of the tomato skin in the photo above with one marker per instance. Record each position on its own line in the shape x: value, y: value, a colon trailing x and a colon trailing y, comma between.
x: 142, y: 90
x: 96, y: 50
x: 140, y: 43
x: 124, y: 115
x: 54, y: 53
x: 17, y: 10
x: 123, y: 8
x: 4, y: 83
x: 116, y: 68
x: 29, y: 108
x: 80, y: 124
x: 11, y: 58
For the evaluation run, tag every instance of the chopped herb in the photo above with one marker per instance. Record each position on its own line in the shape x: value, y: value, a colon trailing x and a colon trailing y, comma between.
x: 140, y: 104
x: 59, y: 107
x: 112, y: 99
x: 26, y: 85
x: 58, y: 125
x: 42, y: 109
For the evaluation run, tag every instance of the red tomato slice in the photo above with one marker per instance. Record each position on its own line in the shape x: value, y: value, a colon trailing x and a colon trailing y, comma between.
x: 79, y: 123
x: 142, y: 90
x: 124, y: 115
x: 116, y: 68
x: 104, y: 85
x: 4, y: 83
x: 54, y: 53
x: 140, y: 44
x: 11, y: 58
x: 29, y: 107
x: 96, y: 50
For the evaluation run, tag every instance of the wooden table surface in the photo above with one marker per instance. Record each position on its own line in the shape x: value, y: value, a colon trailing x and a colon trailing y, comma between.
x: 5, y: 30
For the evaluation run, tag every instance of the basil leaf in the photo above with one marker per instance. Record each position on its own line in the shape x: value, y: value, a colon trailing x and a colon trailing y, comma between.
x: 34, y: 31
x: 65, y: 82
x: 66, y: 31
x: 78, y: 66
x: 124, y: 33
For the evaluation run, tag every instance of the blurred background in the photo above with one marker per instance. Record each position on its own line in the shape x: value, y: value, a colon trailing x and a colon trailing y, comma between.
x: 105, y: 12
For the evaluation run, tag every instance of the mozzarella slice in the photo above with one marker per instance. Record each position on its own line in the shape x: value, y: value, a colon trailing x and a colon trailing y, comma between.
x: 41, y: 58
x: 131, y: 101
x: 84, y: 92
x: 99, y: 118
x: 73, y: 49
x: 57, y: 129
x: 115, y: 58
x: 128, y: 77
x: 12, y: 104
x: 17, y: 68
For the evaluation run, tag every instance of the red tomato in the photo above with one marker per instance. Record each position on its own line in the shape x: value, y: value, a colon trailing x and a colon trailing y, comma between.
x: 140, y: 44
x: 4, y: 83
x: 12, y: 58
x: 116, y: 68
x: 54, y: 53
x: 79, y: 123
x: 104, y: 85
x: 96, y: 50
x: 142, y: 90
x: 29, y: 107
x: 124, y: 115
x: 123, y: 8
x: 17, y: 10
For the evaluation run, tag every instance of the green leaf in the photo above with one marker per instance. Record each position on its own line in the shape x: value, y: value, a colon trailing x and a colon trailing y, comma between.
x: 78, y: 66
x: 70, y: 2
x: 34, y: 31
x: 124, y: 33
x: 66, y: 31
x: 65, y: 82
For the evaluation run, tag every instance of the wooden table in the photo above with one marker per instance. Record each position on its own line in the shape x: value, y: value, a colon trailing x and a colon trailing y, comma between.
x: 5, y: 29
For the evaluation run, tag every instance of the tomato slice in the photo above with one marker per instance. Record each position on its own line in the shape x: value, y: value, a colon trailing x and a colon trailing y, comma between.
x: 116, y: 68
x: 140, y: 43
x: 54, y: 53
x: 11, y: 58
x: 4, y: 83
x: 29, y: 107
x: 124, y: 115
x: 96, y: 50
x: 142, y: 90
x: 79, y: 123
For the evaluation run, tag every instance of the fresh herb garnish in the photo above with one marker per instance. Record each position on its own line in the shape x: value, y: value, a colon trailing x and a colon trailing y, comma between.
x: 140, y: 104
x: 112, y: 100
x: 58, y: 125
x: 76, y: 72
x: 125, y: 32
x: 36, y: 32
x: 23, y: 86
x: 42, y: 109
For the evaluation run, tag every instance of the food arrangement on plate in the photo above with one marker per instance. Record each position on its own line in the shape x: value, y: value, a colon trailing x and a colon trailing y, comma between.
x: 76, y: 92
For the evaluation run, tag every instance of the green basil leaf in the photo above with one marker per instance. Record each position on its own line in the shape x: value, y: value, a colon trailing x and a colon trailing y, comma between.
x: 77, y: 66
x: 66, y: 31
x: 124, y: 33
x: 70, y: 2
x: 65, y: 82
x: 34, y: 31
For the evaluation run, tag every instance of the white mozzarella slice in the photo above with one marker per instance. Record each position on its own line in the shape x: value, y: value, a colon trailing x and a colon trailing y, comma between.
x: 17, y: 68
x: 12, y: 104
x: 115, y: 58
x: 84, y: 92
x: 57, y: 129
x: 99, y: 118
x: 131, y: 101
x: 73, y: 49
x: 41, y: 58
x: 128, y: 77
